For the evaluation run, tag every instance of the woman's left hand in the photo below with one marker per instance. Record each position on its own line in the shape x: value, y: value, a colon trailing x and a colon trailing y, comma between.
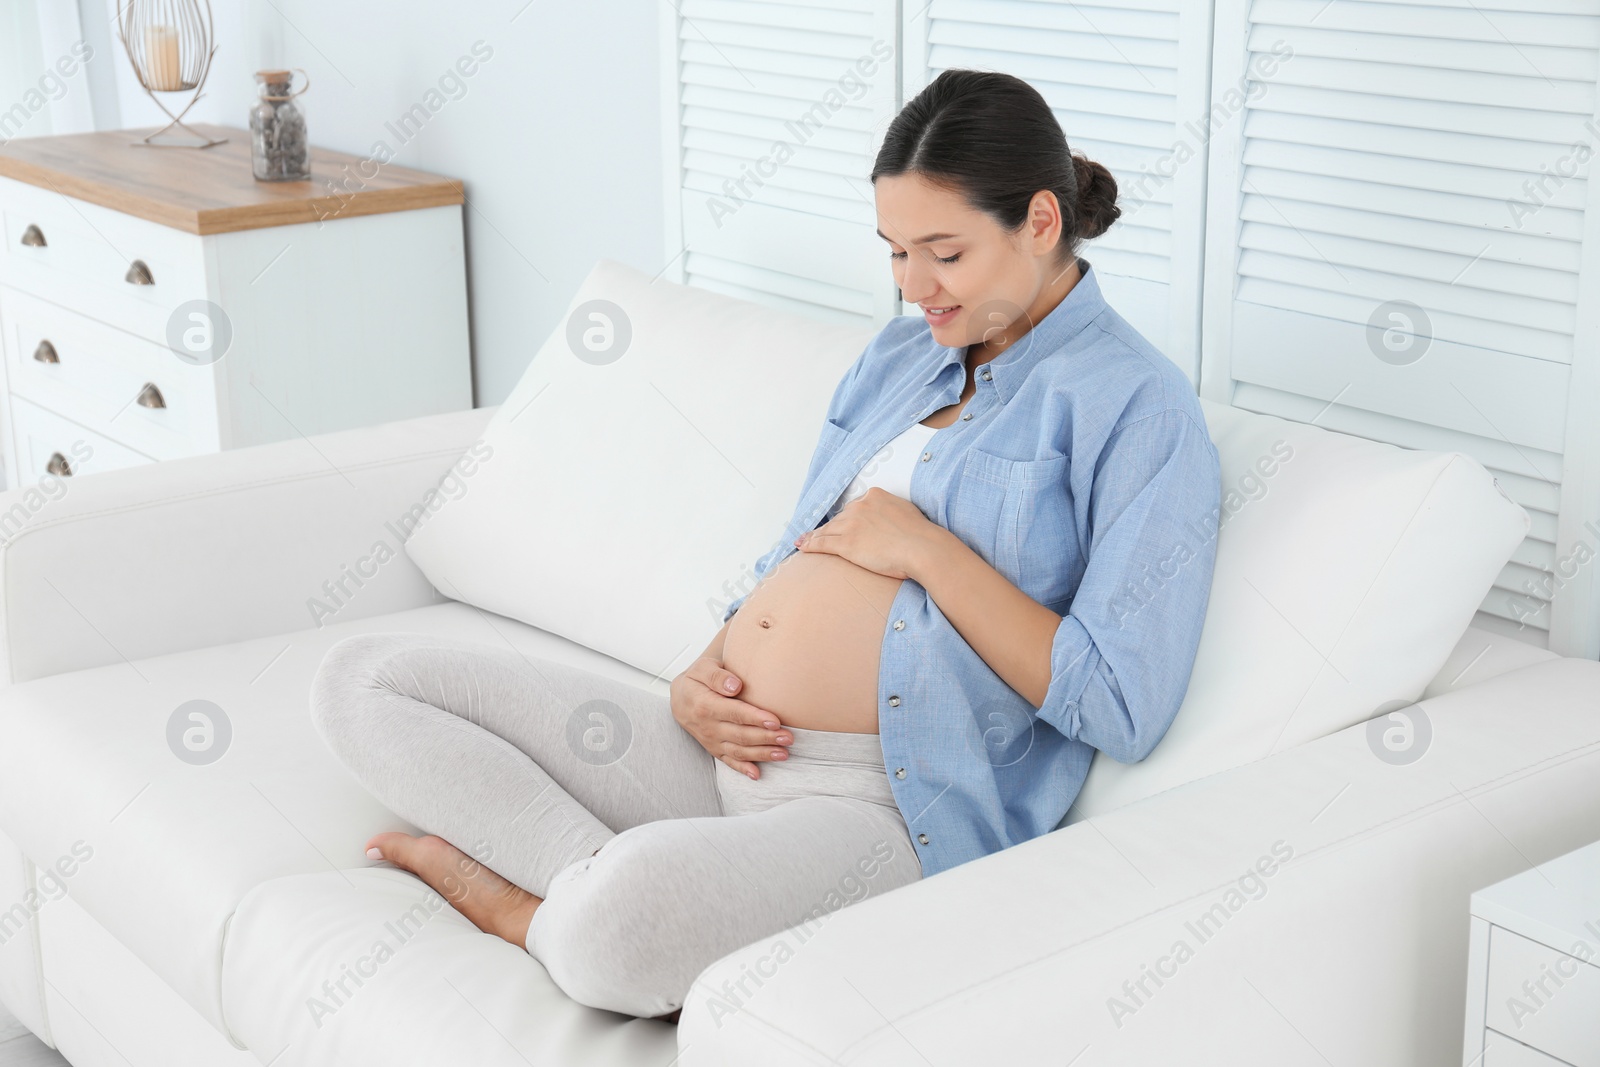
x: 878, y: 531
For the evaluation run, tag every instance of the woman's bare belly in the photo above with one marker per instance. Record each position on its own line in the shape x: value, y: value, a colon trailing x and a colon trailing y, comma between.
x: 805, y: 642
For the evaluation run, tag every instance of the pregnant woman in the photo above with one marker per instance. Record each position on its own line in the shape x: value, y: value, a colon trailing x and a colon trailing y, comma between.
x: 997, y: 567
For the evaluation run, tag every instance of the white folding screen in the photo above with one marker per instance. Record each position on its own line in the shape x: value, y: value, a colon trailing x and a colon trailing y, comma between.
x: 1399, y: 247
x: 1129, y: 82
x: 1365, y: 214
x: 773, y: 115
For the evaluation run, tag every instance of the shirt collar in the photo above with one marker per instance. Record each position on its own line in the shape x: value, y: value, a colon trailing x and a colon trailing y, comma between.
x: 1075, y: 311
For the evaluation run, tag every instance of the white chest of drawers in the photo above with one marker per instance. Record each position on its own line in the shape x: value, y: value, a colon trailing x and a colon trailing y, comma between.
x: 1533, y: 978
x: 342, y: 300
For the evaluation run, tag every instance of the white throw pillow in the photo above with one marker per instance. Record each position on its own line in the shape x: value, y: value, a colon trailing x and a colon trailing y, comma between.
x: 1346, y: 572
x: 650, y: 454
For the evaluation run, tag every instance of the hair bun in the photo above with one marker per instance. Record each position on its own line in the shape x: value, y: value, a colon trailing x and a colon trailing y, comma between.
x: 1097, y: 198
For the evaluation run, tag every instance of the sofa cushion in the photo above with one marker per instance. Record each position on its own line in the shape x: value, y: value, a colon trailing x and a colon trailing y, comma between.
x: 1346, y: 572
x: 160, y: 850
x: 633, y: 489
x: 1480, y: 655
x: 427, y: 986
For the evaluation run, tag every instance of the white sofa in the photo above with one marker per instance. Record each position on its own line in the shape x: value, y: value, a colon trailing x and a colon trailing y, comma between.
x: 181, y: 914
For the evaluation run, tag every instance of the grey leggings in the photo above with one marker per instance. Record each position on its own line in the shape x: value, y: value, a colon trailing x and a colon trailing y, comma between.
x: 654, y: 859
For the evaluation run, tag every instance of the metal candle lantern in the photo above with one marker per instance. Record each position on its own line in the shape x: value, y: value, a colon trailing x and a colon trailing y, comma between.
x: 169, y: 43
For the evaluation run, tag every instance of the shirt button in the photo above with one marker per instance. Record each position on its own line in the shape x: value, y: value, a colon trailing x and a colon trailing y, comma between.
x: 899, y: 624
x: 894, y: 702
x: 966, y: 416
x: 900, y: 772
x: 923, y: 838
x: 927, y: 456
x: 986, y: 375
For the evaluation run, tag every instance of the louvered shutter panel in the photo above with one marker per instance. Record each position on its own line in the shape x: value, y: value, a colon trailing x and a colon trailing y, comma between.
x: 1392, y: 157
x: 773, y: 116
x: 1127, y: 79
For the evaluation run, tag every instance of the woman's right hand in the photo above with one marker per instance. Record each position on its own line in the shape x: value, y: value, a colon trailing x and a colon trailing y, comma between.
x: 705, y: 703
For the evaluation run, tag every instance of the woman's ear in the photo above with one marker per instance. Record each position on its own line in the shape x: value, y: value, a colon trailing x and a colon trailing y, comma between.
x: 1044, y: 222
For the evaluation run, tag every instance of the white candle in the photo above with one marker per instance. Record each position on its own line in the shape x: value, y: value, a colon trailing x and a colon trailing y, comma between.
x: 161, y: 58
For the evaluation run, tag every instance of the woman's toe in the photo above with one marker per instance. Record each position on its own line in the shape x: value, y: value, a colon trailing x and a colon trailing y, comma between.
x: 395, y: 847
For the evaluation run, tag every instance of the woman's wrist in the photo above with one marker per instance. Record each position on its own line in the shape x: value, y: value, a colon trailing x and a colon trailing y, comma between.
x: 933, y: 553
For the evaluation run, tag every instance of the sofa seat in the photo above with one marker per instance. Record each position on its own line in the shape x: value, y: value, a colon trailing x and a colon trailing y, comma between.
x: 172, y: 848
x: 438, y: 991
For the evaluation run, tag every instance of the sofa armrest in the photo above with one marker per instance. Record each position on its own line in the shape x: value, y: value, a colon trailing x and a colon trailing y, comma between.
x: 1316, y: 897
x: 21, y: 990
x: 126, y: 564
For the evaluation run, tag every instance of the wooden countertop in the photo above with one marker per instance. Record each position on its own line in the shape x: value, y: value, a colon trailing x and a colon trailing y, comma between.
x: 212, y: 190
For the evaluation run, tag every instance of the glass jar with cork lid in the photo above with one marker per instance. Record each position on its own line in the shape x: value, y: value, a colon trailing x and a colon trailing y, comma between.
x: 279, y: 151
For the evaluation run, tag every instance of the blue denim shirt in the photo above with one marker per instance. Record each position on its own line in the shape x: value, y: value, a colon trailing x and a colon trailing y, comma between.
x: 1082, y: 471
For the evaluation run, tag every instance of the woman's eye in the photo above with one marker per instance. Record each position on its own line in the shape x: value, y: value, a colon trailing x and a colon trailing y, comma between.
x: 902, y: 255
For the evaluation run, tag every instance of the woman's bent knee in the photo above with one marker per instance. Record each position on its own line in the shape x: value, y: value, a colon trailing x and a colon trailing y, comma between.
x: 611, y: 933
x: 342, y: 689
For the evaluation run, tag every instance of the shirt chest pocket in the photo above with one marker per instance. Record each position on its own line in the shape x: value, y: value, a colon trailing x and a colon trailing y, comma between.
x: 833, y: 435
x: 1018, y: 515
x: 829, y: 442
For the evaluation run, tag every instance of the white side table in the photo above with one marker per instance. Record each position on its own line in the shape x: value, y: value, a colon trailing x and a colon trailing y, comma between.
x: 1533, y: 970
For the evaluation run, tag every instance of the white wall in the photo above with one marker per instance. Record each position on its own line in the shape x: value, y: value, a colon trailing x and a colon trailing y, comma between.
x: 556, y: 135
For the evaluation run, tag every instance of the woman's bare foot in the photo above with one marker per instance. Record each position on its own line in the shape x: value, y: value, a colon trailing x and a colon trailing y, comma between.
x: 493, y: 904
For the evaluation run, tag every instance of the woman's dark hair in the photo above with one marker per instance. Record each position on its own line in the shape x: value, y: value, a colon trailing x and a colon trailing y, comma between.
x: 992, y: 138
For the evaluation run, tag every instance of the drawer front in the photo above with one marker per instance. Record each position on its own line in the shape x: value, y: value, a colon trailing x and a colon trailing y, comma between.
x: 1545, y: 999
x: 48, y: 444
x: 1501, y: 1051
x: 87, y: 254
x: 96, y: 376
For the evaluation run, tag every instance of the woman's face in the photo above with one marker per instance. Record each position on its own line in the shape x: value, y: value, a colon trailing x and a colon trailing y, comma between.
x: 946, y: 254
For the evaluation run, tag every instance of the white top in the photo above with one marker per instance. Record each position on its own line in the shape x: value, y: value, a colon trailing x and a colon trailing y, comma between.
x: 890, y: 469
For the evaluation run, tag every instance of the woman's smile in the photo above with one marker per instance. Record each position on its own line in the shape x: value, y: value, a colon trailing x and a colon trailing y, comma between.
x: 938, y: 316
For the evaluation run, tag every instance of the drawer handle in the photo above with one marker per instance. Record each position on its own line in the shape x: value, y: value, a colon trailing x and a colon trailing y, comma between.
x: 150, y: 397
x: 58, y: 466
x: 139, y: 274
x: 33, y: 237
x: 46, y: 353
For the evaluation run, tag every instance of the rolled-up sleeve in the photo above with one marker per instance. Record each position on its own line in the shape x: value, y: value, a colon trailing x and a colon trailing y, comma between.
x: 1121, y: 657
